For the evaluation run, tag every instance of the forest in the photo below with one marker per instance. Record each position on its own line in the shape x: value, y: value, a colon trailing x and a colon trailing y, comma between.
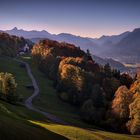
x: 103, y: 95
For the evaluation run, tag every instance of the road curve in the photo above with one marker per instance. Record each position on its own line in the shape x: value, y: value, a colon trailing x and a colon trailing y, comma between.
x: 28, y: 101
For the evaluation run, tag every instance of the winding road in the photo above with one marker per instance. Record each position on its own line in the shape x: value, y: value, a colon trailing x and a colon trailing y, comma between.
x: 28, y: 101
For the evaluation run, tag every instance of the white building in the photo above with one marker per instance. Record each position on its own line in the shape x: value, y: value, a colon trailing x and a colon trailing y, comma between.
x: 24, y: 50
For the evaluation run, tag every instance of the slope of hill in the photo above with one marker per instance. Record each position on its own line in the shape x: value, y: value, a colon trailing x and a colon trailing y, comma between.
x: 114, y: 64
x: 14, y: 124
x: 17, y: 122
x: 82, y: 42
x: 113, y: 39
x: 47, y: 101
x: 14, y: 119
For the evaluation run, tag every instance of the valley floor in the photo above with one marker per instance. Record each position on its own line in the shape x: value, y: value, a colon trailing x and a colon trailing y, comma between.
x: 18, y: 122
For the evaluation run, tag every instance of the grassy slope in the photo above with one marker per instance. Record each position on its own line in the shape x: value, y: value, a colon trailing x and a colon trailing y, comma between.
x: 9, y: 65
x: 49, y: 102
x: 15, y: 124
x: 14, y: 120
x: 76, y: 133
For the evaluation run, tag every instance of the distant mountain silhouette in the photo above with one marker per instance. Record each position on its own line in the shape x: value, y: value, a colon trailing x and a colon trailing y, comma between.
x: 35, y: 36
x: 113, y: 63
x: 127, y: 49
x: 124, y: 47
x: 112, y: 39
x: 28, y: 34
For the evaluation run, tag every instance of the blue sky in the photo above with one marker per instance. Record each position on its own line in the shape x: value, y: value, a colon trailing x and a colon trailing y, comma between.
x: 90, y: 18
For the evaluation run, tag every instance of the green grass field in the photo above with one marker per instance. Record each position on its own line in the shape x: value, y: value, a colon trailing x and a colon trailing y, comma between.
x: 76, y: 133
x: 14, y: 120
x: 17, y: 122
x: 20, y: 74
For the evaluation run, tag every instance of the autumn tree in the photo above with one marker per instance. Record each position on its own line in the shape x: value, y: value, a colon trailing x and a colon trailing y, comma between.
x: 72, y: 79
x: 8, y: 87
x: 120, y: 103
x: 72, y: 74
x: 134, y: 124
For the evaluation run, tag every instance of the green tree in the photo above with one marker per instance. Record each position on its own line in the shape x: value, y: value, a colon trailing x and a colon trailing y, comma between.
x: 97, y: 96
x: 90, y: 113
x: 110, y: 85
x: 107, y: 70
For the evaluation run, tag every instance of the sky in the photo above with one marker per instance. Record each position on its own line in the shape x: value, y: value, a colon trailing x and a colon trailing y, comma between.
x: 87, y: 18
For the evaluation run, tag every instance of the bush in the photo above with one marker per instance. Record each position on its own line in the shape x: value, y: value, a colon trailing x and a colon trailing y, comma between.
x: 8, y: 87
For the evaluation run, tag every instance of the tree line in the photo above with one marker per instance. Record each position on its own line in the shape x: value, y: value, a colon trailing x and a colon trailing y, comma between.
x: 10, y: 44
x: 103, y: 95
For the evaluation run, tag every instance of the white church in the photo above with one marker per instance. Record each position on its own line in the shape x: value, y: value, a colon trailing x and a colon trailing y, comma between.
x: 24, y: 50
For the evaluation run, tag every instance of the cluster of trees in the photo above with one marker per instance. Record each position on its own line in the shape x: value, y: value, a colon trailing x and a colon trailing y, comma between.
x: 8, y: 87
x: 102, y: 94
x: 10, y: 45
x: 125, y: 108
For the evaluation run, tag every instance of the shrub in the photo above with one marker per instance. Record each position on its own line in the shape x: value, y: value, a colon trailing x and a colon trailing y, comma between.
x: 8, y: 87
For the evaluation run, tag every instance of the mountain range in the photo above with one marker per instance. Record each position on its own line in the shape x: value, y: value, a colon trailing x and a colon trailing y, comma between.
x: 124, y: 47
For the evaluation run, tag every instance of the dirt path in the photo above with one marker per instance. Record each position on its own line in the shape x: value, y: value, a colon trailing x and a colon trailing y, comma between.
x: 28, y: 102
